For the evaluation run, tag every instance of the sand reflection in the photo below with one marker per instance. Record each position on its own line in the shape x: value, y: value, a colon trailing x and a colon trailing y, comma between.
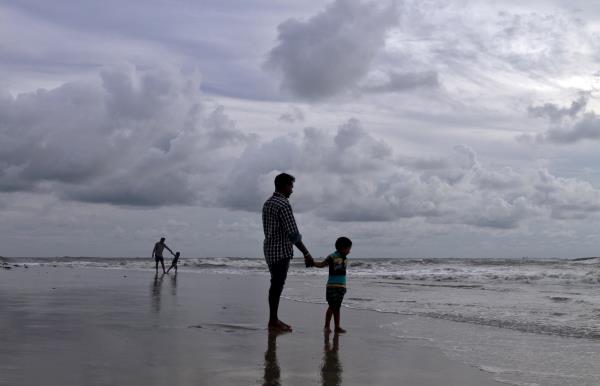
x: 272, y: 376
x: 331, y: 370
x: 155, y: 292
x: 173, y: 284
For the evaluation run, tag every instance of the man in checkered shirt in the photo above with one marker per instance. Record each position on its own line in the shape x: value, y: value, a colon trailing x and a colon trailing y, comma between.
x: 281, y: 234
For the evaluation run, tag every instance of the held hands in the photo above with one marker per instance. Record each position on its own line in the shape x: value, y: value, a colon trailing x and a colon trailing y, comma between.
x: 309, y: 261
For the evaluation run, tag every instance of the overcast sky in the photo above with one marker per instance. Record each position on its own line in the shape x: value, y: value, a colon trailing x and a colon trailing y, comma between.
x: 416, y: 128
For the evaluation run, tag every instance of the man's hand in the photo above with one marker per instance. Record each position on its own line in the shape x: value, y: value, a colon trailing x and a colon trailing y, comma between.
x: 309, y: 261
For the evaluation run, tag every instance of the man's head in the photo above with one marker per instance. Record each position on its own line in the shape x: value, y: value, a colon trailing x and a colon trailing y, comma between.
x: 162, y: 239
x: 343, y: 245
x: 284, y: 184
x: 177, y: 254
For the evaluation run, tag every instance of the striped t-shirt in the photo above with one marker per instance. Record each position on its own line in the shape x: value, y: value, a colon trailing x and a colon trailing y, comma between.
x: 337, y: 270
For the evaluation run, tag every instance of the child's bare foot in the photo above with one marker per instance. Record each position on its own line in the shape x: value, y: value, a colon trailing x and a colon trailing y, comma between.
x: 339, y: 330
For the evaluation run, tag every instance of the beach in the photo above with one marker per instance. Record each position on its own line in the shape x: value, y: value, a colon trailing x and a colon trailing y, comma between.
x: 95, y: 326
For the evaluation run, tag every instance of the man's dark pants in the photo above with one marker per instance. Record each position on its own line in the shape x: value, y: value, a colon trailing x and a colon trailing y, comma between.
x: 278, y: 272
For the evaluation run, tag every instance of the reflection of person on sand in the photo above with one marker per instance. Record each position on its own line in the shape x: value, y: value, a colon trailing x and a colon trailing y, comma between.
x: 158, y: 251
x: 272, y: 376
x: 331, y: 371
x: 281, y: 234
x: 156, y: 287
x: 336, y: 283
x: 173, y: 284
x: 174, y: 263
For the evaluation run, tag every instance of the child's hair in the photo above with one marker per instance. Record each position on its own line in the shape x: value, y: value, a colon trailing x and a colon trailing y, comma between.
x: 342, y: 242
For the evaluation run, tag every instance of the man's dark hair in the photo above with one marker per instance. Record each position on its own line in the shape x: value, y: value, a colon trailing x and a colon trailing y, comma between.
x: 162, y: 239
x: 283, y: 180
x: 342, y: 242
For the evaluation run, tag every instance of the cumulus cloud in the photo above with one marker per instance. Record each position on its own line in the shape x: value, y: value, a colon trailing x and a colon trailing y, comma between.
x: 127, y: 137
x: 333, y: 50
x: 567, y: 125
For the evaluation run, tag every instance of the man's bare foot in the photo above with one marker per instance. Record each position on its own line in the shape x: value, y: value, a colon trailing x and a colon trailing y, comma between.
x: 326, y: 329
x: 339, y: 330
x: 279, y: 326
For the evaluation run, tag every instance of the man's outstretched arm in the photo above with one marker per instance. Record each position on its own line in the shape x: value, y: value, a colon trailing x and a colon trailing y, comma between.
x: 169, y: 249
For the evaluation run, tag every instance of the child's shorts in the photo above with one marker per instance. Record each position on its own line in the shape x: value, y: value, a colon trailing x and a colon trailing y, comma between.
x: 334, y: 296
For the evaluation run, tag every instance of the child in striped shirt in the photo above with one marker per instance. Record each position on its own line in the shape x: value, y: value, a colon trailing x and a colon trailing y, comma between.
x: 336, y: 283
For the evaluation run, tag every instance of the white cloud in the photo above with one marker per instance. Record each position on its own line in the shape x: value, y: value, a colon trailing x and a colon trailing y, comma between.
x: 333, y: 50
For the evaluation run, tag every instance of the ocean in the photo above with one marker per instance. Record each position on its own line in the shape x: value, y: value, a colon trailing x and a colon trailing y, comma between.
x: 527, y: 321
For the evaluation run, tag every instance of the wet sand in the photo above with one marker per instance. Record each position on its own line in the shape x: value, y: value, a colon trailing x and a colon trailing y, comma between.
x: 89, y: 326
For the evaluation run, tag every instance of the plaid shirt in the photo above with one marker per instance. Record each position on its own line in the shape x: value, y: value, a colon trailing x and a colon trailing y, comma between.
x: 281, y: 232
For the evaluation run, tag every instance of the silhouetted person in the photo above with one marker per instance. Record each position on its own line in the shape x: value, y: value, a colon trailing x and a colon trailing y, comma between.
x: 158, y: 251
x: 336, y: 282
x: 272, y: 376
x: 281, y: 234
x: 174, y: 263
x: 331, y: 371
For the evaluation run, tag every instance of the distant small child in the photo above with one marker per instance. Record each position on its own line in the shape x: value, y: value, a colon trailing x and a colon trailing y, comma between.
x: 336, y: 283
x: 174, y: 262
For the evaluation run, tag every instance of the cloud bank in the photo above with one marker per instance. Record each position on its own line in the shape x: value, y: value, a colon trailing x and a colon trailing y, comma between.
x: 149, y: 138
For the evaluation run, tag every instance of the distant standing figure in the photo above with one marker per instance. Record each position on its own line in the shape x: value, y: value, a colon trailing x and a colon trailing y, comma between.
x: 174, y: 262
x: 281, y: 234
x: 336, y: 283
x: 158, y: 251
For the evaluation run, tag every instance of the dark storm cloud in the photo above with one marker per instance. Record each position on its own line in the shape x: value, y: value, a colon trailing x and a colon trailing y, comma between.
x: 333, y: 50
